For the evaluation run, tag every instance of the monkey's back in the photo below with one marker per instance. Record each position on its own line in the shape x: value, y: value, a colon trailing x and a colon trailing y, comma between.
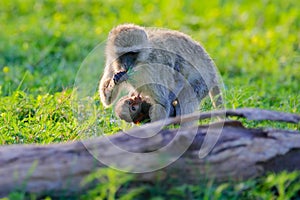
x: 190, y: 59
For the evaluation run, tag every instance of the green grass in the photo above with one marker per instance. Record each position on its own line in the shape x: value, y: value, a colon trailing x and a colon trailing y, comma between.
x: 255, y: 44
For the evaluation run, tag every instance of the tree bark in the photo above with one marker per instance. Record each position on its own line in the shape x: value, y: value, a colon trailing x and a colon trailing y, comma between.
x: 239, y: 153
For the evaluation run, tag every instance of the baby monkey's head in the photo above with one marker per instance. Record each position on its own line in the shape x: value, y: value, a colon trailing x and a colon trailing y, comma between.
x: 133, y: 109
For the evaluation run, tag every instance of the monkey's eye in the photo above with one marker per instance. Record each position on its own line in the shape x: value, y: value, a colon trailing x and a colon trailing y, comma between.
x: 133, y: 108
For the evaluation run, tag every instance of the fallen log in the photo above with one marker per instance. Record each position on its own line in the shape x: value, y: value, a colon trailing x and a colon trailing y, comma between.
x: 239, y: 153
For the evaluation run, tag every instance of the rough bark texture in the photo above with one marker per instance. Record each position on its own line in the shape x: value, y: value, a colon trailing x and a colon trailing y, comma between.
x: 240, y: 153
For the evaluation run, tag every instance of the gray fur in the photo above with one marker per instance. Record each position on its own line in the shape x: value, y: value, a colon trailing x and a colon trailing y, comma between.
x: 166, y: 58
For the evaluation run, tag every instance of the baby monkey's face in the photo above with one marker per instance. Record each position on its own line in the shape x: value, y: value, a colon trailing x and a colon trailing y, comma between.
x: 134, y: 105
x: 131, y: 109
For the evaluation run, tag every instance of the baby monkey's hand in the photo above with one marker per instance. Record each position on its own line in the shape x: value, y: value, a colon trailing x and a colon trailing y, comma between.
x: 120, y: 77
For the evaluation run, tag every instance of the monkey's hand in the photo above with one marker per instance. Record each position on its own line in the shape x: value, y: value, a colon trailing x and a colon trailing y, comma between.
x: 120, y: 77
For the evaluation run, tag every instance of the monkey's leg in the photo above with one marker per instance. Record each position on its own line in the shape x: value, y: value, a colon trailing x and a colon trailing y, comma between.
x: 188, y: 103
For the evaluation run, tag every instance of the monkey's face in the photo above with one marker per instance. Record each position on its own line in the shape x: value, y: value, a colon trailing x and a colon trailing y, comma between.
x: 133, y: 106
x: 129, y: 109
x: 128, y: 60
x: 125, y: 44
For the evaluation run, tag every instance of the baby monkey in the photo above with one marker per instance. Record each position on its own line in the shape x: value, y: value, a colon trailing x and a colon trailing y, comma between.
x: 136, y: 109
x: 133, y: 109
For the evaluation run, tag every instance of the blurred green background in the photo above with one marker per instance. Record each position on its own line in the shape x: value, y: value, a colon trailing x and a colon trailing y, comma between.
x: 255, y: 45
x: 256, y: 42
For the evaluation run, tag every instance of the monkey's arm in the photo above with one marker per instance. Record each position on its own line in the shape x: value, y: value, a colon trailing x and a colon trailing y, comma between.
x: 107, y: 91
x: 160, y: 109
x: 158, y: 112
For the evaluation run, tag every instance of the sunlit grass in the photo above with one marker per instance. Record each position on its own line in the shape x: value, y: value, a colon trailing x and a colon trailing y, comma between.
x: 255, y: 45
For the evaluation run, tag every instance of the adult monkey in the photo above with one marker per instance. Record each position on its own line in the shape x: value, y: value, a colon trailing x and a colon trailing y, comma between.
x: 164, y: 65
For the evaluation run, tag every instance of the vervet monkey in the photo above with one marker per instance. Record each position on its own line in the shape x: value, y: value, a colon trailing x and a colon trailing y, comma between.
x: 162, y: 65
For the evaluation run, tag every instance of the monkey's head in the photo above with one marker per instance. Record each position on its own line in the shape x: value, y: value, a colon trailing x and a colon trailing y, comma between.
x: 133, y: 109
x: 126, y: 43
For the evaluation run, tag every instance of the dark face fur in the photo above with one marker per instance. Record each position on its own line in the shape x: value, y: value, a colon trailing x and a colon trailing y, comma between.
x: 126, y: 43
x: 128, y: 60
